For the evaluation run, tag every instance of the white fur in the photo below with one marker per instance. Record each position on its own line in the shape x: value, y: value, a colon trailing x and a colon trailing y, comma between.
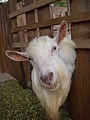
x: 61, y: 62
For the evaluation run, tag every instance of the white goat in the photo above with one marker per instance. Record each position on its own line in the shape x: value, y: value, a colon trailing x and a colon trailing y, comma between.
x: 53, y: 61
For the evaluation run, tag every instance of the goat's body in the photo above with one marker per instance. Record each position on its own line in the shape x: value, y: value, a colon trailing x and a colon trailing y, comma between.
x: 53, y: 61
x: 52, y: 100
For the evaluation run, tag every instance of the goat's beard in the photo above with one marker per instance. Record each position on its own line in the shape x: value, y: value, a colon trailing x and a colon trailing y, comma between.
x: 51, y: 99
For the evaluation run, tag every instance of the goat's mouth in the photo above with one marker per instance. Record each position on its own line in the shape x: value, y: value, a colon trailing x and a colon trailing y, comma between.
x: 48, y: 81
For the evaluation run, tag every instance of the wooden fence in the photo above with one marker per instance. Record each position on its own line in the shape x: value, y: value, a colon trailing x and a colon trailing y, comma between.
x: 35, y: 20
x: 4, y: 38
x: 80, y: 89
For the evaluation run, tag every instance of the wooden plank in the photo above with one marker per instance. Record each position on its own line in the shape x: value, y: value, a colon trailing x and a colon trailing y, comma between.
x: 2, y: 36
x: 80, y: 90
x: 30, y: 17
x: 44, y: 15
x: 6, y: 34
x: 72, y: 19
x: 31, y: 7
x: 21, y: 20
x: 17, y: 67
x: 20, y: 44
x: 39, y: 25
x: 80, y: 43
x: 5, y: 40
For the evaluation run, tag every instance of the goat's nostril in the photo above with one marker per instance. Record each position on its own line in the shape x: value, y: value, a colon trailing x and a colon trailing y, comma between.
x: 51, y: 74
x: 47, y: 78
x: 42, y: 78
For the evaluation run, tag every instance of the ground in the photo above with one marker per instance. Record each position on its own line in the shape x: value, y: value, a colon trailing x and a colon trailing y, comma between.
x: 18, y: 103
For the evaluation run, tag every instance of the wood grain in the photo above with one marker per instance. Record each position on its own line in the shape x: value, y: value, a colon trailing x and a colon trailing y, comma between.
x: 30, y: 7
x: 80, y: 44
x: 5, y: 43
x: 2, y: 38
x: 30, y: 17
x: 17, y: 67
x: 80, y: 90
x: 21, y: 20
x: 44, y: 15
x: 81, y: 17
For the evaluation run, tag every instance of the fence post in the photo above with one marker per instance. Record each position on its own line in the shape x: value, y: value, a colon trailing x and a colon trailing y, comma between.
x: 80, y: 88
x: 17, y: 67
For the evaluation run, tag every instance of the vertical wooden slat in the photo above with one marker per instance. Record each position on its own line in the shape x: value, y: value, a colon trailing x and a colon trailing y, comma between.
x: 17, y: 67
x: 80, y: 89
x: 4, y: 39
x: 44, y: 14
x: 6, y: 32
x: 2, y: 56
x: 30, y: 17
x: 21, y: 20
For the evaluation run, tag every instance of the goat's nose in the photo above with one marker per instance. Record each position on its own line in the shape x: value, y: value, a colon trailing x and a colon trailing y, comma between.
x: 50, y: 75
x: 47, y: 78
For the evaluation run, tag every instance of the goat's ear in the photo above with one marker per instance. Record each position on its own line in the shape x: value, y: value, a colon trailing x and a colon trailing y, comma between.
x: 16, y: 56
x: 62, y: 31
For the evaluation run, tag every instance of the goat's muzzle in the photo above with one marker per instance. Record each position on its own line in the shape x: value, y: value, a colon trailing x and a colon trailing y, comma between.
x: 47, y: 80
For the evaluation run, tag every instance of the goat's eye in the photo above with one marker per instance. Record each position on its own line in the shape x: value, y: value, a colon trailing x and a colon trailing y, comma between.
x: 54, y: 48
x: 29, y: 59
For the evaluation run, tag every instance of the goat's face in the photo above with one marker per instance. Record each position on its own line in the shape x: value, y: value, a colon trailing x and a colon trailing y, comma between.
x: 41, y: 52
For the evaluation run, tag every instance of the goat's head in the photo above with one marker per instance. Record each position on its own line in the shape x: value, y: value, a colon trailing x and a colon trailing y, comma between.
x: 41, y: 53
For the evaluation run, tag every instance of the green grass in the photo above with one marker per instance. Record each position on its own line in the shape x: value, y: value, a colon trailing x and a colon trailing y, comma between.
x: 17, y: 103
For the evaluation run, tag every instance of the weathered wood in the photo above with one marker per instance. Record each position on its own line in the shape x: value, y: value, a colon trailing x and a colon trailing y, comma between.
x: 44, y: 15
x: 80, y: 88
x: 30, y: 17
x: 82, y: 17
x: 5, y: 63
x: 20, y: 44
x: 31, y: 7
x: 21, y: 20
x: 80, y: 22
x: 80, y: 44
x: 80, y: 93
x: 17, y: 67
x: 2, y: 37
